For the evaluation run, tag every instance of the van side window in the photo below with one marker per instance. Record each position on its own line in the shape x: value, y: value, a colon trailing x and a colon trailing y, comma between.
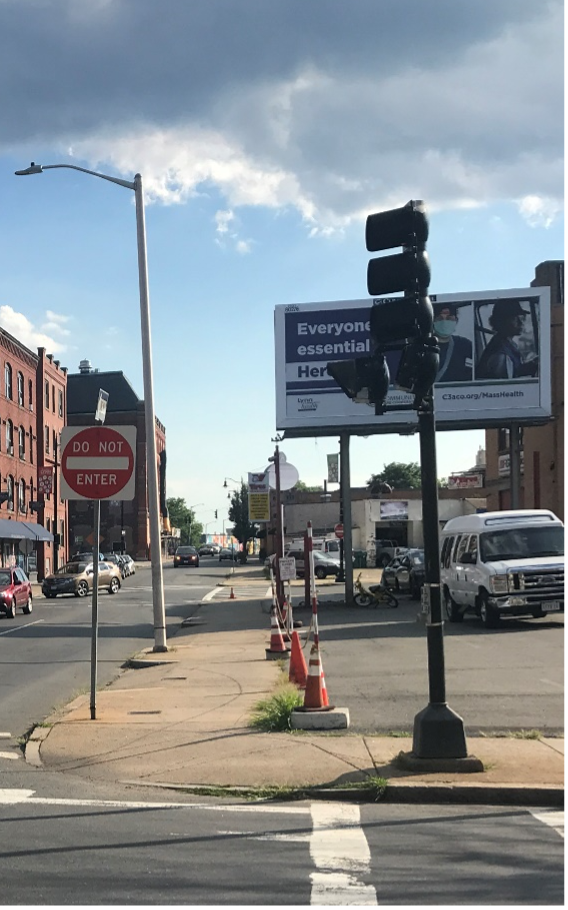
x: 461, y: 549
x: 444, y: 551
x: 472, y: 546
x: 455, y: 547
x: 448, y: 555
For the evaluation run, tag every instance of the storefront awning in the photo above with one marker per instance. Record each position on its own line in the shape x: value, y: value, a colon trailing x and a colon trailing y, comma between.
x: 21, y: 530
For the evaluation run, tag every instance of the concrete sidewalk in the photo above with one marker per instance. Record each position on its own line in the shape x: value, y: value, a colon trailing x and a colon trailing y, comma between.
x: 181, y: 720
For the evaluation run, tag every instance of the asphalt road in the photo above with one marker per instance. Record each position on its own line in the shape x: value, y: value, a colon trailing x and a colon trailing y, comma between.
x: 65, y: 851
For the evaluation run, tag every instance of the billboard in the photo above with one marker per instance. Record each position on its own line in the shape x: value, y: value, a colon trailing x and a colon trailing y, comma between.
x: 494, y: 363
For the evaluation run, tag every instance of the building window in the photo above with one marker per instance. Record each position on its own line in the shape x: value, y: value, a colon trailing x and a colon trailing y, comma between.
x: 30, y: 395
x: 54, y: 443
x: 48, y: 524
x: 20, y: 389
x: 10, y: 491
x: 31, y: 446
x: 46, y: 431
x: 53, y: 398
x: 8, y: 380
x: 60, y: 403
x: 62, y: 531
x: 22, y: 443
x: 9, y: 437
x: 46, y: 396
x: 22, y: 496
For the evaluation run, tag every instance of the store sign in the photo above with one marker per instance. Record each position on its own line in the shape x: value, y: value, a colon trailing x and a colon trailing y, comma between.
x: 259, y: 496
x: 504, y: 464
x: 393, y: 510
x: 465, y: 481
x: 333, y: 468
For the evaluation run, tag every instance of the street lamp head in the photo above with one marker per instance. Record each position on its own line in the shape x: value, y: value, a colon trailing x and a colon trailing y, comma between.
x: 225, y: 482
x: 32, y: 169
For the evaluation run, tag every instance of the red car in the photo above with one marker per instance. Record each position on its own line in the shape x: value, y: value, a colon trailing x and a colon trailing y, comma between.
x: 15, y: 592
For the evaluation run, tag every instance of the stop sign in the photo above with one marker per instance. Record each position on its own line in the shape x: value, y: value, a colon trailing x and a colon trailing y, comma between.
x: 97, y: 462
x: 338, y: 530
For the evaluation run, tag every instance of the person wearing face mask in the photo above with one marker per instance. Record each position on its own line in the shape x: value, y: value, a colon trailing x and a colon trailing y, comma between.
x: 456, y: 352
x: 502, y: 358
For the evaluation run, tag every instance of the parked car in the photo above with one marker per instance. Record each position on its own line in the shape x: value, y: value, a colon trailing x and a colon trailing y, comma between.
x: 406, y: 573
x: 130, y: 564
x: 385, y: 550
x: 77, y: 578
x: 324, y: 563
x: 186, y: 556
x: 231, y: 553
x: 116, y: 560
x: 508, y: 563
x: 206, y: 549
x: 15, y: 592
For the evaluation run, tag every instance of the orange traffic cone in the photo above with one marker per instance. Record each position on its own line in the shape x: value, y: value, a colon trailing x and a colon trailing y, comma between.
x: 277, y: 647
x: 298, y: 669
x: 323, y: 686
x: 232, y: 595
x: 314, y: 698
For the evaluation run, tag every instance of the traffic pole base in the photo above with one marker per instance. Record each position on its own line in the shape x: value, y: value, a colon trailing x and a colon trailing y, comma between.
x: 408, y: 761
x: 328, y: 718
x: 438, y: 733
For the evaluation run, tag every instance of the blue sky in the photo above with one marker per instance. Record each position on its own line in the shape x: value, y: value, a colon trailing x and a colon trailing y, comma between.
x: 265, y: 133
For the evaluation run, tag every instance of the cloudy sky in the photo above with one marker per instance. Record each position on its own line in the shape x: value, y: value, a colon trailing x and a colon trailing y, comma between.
x: 266, y: 131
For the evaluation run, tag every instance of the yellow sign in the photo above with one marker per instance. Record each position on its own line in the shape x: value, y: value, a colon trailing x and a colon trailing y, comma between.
x: 259, y: 506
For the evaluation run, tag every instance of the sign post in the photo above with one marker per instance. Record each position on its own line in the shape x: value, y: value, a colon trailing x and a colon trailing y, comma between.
x: 97, y: 463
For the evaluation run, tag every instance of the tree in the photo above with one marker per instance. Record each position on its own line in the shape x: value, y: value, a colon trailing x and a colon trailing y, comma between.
x: 183, y: 518
x: 303, y: 488
x: 397, y: 475
x: 243, y: 529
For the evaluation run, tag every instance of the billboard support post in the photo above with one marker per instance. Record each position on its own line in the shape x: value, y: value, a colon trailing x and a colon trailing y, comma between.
x: 345, y: 518
x: 438, y: 731
x: 515, y: 465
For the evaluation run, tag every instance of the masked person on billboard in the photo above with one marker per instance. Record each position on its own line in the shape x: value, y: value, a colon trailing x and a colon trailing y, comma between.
x: 456, y: 352
x: 502, y: 358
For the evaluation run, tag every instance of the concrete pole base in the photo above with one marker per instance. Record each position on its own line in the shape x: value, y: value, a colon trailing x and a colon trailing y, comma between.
x: 439, y: 733
x: 319, y: 718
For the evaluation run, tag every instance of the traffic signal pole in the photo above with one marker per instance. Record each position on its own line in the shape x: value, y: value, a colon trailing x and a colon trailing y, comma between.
x: 438, y: 731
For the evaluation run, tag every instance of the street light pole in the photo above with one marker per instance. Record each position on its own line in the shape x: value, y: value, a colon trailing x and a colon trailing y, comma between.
x: 149, y: 416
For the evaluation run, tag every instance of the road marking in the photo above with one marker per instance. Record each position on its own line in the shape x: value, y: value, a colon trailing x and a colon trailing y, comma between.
x: 340, y: 852
x: 10, y: 755
x: 12, y: 797
x: 18, y: 628
x: 552, y: 818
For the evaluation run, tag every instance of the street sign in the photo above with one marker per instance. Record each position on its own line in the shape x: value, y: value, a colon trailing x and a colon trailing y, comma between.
x: 26, y: 546
x: 338, y: 530
x: 287, y: 566
x: 98, y: 462
x: 45, y: 479
x: 100, y: 413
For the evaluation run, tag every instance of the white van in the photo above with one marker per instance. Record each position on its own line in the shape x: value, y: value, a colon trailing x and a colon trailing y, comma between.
x: 329, y: 545
x: 502, y: 564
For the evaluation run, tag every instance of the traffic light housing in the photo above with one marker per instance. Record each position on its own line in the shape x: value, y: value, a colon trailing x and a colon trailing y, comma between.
x: 215, y: 513
x: 407, y: 271
x: 364, y: 379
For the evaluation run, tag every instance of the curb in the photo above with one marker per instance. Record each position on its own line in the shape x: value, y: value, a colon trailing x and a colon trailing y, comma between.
x: 457, y: 794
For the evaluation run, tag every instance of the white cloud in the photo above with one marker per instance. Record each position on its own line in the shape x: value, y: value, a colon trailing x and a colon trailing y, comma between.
x: 21, y: 328
x: 539, y: 211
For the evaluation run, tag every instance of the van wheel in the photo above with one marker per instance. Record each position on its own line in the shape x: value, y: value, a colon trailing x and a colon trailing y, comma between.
x: 489, y: 616
x: 453, y: 612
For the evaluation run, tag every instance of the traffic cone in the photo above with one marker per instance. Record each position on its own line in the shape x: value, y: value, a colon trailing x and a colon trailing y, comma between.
x: 277, y: 647
x: 314, y: 698
x: 232, y: 595
x: 323, y: 686
x: 284, y: 622
x: 298, y: 669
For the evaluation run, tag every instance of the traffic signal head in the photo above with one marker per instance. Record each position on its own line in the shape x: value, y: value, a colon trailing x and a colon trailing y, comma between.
x: 215, y: 513
x: 418, y: 367
x: 407, y: 271
x: 398, y: 318
x: 364, y: 379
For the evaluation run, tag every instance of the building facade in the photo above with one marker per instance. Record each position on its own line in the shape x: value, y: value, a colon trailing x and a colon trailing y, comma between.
x: 124, y: 523
x: 51, y: 407
x: 542, y: 447
x: 26, y: 519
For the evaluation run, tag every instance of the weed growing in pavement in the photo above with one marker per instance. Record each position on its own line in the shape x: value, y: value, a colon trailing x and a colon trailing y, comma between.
x: 510, y: 734
x: 526, y: 734
x: 399, y: 734
x: 273, y: 715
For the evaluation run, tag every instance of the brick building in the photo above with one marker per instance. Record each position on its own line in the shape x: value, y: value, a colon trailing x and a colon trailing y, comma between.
x: 542, y: 447
x: 51, y: 384
x: 122, y: 521
x: 26, y: 534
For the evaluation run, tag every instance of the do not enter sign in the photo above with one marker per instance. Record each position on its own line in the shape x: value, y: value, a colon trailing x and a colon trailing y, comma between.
x: 98, y: 462
x: 338, y: 530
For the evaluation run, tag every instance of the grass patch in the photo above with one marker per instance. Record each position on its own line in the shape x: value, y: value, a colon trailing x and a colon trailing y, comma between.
x: 373, y: 786
x: 399, y: 734
x: 511, y: 734
x: 526, y: 734
x: 273, y: 715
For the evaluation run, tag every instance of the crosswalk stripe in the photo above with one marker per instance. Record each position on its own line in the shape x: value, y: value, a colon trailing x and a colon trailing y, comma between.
x: 551, y: 817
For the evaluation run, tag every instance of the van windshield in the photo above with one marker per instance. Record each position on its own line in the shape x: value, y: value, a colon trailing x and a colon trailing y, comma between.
x: 522, y: 543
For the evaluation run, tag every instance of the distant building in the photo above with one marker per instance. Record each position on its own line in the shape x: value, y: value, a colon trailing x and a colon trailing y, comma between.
x: 32, y: 413
x: 123, y: 522
x: 542, y: 447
